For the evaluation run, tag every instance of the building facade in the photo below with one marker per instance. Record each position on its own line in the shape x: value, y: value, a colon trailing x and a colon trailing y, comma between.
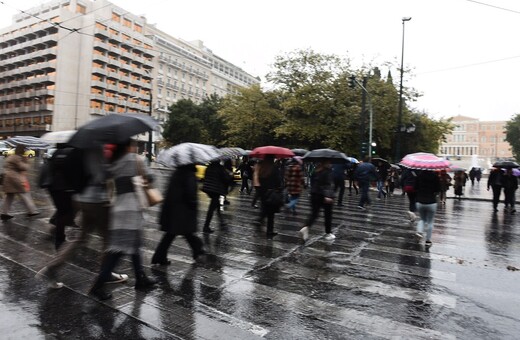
x: 472, y: 138
x: 66, y: 62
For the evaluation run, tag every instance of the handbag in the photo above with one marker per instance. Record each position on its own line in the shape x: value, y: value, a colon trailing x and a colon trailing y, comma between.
x: 147, y: 195
x: 274, y: 198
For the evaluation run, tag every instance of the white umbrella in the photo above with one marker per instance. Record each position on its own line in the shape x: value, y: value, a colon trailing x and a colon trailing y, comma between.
x: 58, y: 137
x: 27, y: 141
x: 187, y: 153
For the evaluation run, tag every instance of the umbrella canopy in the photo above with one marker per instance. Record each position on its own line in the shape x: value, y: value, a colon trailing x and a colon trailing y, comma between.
x: 516, y: 172
x: 113, y: 129
x: 58, y: 137
x: 506, y: 164
x: 187, y: 153
x: 424, y: 161
x: 395, y: 166
x: 27, y: 141
x: 277, y: 151
x: 300, y: 152
x: 352, y: 160
x: 377, y: 160
x: 328, y: 154
x: 231, y: 152
x: 454, y: 168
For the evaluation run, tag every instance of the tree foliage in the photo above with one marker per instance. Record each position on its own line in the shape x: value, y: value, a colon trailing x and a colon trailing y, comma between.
x: 513, y: 135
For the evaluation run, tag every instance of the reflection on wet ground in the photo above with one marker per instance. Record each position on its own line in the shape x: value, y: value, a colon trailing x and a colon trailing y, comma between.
x: 372, y: 282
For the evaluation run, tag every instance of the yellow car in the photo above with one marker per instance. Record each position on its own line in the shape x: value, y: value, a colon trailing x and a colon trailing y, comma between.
x: 201, y: 172
x: 28, y: 153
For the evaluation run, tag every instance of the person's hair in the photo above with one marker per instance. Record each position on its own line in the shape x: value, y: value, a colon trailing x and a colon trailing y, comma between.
x: 266, y: 166
x: 19, y: 150
x: 120, y: 150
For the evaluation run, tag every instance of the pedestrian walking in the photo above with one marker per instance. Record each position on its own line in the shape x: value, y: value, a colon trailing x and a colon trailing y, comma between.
x: 94, y: 204
x: 495, y: 183
x: 294, y: 182
x: 459, y: 182
x: 216, y: 182
x: 270, y: 188
x: 445, y: 183
x: 472, y: 175
x: 245, y: 174
x: 16, y: 183
x: 339, y: 175
x: 510, y: 184
x: 127, y: 220
x: 351, y: 181
x: 256, y: 185
x: 392, y: 179
x: 426, y: 186
x: 322, y: 196
x: 382, y: 174
x: 408, y: 178
x: 178, y: 214
x: 365, y: 173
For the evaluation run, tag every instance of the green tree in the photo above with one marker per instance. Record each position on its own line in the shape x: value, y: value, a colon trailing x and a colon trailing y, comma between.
x: 250, y: 118
x: 212, y: 124
x: 513, y: 135
x: 182, y: 124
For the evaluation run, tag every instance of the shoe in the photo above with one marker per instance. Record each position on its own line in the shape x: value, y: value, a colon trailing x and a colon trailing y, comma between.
x: 304, y: 233
x: 163, y: 262
x: 428, y: 244
x: 513, y: 211
x: 271, y: 234
x: 100, y: 294
x: 412, y: 216
x: 45, y: 275
x: 329, y: 237
x: 33, y: 214
x: 362, y: 207
x: 226, y: 202
x: 255, y: 206
x: 418, y: 237
x: 117, y: 278
x: 144, y: 281
x: 5, y: 217
x: 207, y: 230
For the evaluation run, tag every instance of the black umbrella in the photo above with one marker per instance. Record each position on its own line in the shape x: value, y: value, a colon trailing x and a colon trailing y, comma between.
x: 325, y: 154
x: 506, y: 164
x: 300, y: 152
x: 114, y: 129
x: 377, y: 160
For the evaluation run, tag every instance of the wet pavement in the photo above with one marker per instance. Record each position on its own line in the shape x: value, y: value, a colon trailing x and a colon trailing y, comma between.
x: 372, y: 282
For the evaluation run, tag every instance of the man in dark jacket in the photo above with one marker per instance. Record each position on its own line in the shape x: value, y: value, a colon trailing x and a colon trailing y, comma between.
x: 364, y: 173
x: 339, y: 175
x: 179, y: 214
x: 216, y: 182
x: 495, y: 182
x: 510, y: 184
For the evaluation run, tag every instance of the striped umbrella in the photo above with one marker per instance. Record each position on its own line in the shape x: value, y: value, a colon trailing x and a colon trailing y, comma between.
x: 187, y: 153
x: 27, y: 141
x: 424, y: 161
x: 58, y: 137
x: 231, y: 152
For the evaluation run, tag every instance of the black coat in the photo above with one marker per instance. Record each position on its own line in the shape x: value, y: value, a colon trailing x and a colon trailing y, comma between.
x: 217, y: 179
x: 179, y: 210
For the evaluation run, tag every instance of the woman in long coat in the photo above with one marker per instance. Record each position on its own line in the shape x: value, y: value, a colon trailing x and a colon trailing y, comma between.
x: 179, y: 214
x: 127, y: 220
x: 16, y: 183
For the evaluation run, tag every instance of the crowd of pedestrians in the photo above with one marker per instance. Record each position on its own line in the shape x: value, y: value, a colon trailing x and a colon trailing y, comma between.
x: 110, y: 206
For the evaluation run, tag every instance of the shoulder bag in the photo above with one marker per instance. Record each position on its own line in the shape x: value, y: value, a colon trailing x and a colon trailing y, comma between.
x: 147, y: 195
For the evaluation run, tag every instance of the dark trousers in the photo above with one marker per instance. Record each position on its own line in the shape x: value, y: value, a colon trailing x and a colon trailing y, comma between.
x: 213, y: 205
x: 352, y: 183
x: 245, y: 184
x: 509, y: 198
x: 256, y: 196
x: 412, y: 200
x: 496, y: 195
x: 266, y: 211
x: 161, y: 253
x: 363, y: 187
x: 109, y: 263
x: 64, y: 214
x: 317, y: 202
x: 339, y: 183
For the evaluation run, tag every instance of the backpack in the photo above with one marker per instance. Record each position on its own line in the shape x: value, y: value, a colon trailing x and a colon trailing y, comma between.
x: 69, y: 168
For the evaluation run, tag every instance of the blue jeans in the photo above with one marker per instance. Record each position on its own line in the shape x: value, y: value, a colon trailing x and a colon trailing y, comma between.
x: 381, y: 189
x: 293, y: 199
x: 363, y: 188
x: 426, y: 213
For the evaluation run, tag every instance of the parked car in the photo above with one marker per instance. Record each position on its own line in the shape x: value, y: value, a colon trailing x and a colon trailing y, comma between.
x: 28, y: 153
x: 4, y: 147
x: 48, y: 154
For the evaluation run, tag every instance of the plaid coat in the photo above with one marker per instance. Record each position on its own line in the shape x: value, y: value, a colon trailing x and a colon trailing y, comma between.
x: 294, y: 179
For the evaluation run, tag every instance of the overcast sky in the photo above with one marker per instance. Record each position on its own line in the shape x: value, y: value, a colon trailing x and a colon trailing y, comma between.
x: 464, y: 55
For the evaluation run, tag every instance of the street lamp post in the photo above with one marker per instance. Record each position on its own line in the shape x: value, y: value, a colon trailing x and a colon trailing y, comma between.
x: 400, y: 112
x: 354, y: 82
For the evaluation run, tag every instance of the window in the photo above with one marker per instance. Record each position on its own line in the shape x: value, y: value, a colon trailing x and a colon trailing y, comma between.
x: 80, y: 9
x: 116, y: 17
x: 127, y: 23
x: 138, y: 28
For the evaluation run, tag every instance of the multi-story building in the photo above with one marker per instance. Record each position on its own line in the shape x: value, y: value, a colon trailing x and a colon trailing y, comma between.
x: 475, y: 139
x: 66, y: 62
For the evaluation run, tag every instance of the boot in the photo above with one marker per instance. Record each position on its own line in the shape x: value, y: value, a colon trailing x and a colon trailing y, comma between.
x: 143, y: 281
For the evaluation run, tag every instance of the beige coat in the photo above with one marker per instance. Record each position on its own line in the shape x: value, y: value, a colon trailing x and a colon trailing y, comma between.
x: 15, y: 174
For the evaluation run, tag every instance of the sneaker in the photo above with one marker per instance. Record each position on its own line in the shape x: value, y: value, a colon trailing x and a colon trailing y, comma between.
x: 428, y: 244
x: 329, y: 237
x: 412, y: 216
x: 255, y: 206
x: 304, y: 233
x: 45, y: 275
x: 55, y: 284
x: 362, y: 207
x: 100, y: 294
x: 117, y: 278
x: 418, y: 237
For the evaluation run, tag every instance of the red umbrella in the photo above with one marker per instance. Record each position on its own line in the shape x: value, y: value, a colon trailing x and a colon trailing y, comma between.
x: 277, y: 151
x: 424, y: 161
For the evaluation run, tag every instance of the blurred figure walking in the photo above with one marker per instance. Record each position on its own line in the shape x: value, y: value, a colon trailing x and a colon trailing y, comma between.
x: 245, y: 174
x: 339, y: 175
x: 495, y: 182
x: 445, y: 183
x: 294, y: 182
x: 408, y: 179
x: 365, y: 173
x: 270, y: 179
x: 426, y: 186
x: 216, y: 182
x: 510, y: 184
x: 16, y: 183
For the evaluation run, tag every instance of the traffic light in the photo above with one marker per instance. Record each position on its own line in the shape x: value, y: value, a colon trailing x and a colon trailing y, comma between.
x: 374, y: 148
x: 364, y: 148
x: 352, y: 81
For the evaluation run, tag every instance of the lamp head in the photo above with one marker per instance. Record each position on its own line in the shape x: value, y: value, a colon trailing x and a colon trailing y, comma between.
x: 406, y: 19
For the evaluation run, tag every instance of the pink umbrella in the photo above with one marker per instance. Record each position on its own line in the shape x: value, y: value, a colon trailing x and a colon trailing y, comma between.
x: 277, y: 151
x: 424, y: 161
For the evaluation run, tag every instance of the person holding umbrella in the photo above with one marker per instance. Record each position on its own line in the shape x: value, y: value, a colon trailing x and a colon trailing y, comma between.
x: 16, y: 183
x: 364, y: 173
x: 270, y: 180
x: 216, y: 182
x: 510, y: 184
x: 495, y: 183
x: 427, y: 186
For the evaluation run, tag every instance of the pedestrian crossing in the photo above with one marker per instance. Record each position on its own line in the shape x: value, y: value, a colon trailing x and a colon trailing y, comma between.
x: 372, y: 282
